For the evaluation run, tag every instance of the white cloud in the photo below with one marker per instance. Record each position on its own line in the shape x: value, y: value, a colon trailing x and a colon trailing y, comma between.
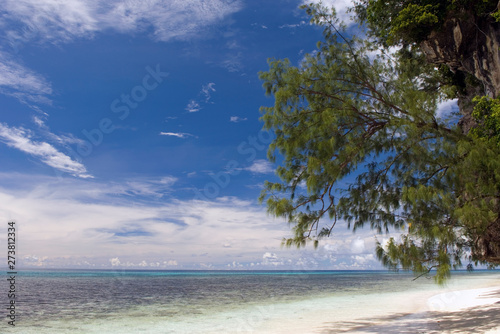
x: 34, y: 261
x: 193, y: 106
x: 358, y: 246
x: 236, y: 119
x: 363, y: 259
x: 60, y: 21
x: 330, y: 248
x: 176, y: 134
x: 179, y: 19
x: 271, y: 259
x: 340, y: 6
x: 295, y: 25
x: 206, y: 93
x: 22, y: 83
x: 150, y: 187
x: 233, y: 44
x: 104, y: 226
x: 261, y: 166
x: 53, y: 20
x: 64, y: 20
x: 233, y: 62
x: 114, y: 262
x: 100, y: 223
x: 20, y: 78
x: 38, y: 121
x: 268, y: 255
x: 446, y: 108
x: 168, y: 180
x: 65, y: 139
x: 170, y: 263
x: 206, y: 90
x: 20, y: 138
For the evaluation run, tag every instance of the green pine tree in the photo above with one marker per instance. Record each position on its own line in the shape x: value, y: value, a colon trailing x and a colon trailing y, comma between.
x: 356, y: 127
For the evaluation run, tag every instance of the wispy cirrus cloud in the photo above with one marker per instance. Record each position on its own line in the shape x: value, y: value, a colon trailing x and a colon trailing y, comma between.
x: 177, y: 134
x: 62, y: 21
x: 236, y: 119
x: 171, y: 19
x: 205, y: 94
x: 49, y: 20
x: 22, y: 83
x: 294, y: 25
x: 206, y: 91
x: 233, y: 62
x: 193, y: 106
x: 21, y: 139
x: 64, y: 139
x: 150, y: 187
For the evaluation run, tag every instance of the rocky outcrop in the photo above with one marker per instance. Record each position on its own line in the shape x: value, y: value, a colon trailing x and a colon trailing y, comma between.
x: 468, y: 44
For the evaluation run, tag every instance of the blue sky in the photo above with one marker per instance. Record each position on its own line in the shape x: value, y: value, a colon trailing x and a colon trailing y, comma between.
x: 130, y: 134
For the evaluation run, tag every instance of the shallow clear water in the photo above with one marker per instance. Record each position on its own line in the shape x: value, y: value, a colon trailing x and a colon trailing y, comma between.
x: 197, y: 302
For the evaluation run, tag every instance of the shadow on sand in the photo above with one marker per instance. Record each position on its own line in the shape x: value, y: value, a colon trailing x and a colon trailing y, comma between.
x: 478, y: 319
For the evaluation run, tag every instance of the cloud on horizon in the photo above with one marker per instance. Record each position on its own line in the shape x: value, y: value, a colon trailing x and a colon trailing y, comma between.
x: 86, y: 223
x: 79, y: 218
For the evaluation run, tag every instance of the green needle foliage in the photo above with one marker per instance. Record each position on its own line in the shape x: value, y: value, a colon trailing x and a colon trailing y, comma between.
x: 487, y: 114
x: 358, y: 140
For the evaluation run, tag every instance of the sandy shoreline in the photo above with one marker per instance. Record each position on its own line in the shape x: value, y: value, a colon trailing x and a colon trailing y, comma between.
x: 464, y: 311
x: 454, y: 308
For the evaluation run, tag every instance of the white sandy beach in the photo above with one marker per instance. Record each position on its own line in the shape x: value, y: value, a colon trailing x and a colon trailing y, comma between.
x: 432, y: 311
x: 466, y: 311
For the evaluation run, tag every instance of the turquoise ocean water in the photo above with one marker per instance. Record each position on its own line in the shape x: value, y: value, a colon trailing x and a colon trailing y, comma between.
x: 66, y: 301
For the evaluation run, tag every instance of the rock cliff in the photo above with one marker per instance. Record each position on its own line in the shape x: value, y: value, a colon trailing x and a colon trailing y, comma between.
x: 470, y: 44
